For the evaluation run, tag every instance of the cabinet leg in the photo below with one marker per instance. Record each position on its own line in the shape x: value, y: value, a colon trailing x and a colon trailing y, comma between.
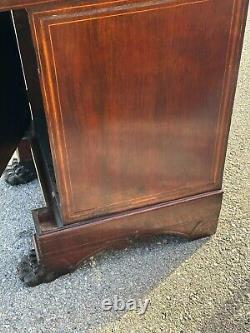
x: 33, y: 273
x: 21, y: 171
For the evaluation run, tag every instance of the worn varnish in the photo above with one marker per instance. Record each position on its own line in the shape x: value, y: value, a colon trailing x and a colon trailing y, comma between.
x: 137, y: 97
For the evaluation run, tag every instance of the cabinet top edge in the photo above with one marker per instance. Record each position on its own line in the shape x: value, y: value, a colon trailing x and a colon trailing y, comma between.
x: 6, y: 5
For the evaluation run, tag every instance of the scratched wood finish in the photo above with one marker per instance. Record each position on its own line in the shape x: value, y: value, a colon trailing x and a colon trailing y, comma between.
x: 138, y: 98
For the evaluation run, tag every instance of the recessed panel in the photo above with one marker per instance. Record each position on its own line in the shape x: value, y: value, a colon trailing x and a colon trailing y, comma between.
x: 133, y: 96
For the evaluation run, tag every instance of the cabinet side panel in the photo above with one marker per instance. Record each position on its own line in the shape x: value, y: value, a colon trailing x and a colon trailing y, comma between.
x: 135, y: 98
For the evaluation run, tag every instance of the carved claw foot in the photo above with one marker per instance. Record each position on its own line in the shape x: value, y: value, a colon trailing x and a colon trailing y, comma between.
x: 32, y: 273
x: 20, y: 173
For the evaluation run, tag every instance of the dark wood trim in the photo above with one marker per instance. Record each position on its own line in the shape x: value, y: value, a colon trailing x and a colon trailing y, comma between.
x: 6, y: 5
x: 29, y: 62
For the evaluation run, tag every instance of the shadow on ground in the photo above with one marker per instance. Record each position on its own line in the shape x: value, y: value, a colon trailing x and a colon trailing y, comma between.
x: 75, y: 300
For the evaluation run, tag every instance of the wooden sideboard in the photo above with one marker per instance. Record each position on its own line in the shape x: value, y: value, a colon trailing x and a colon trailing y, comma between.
x: 131, y: 105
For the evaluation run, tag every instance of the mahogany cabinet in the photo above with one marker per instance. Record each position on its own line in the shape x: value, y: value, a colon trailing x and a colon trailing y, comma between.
x: 130, y: 104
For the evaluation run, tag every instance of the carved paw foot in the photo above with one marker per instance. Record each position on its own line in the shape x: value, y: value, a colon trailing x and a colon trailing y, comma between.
x: 32, y: 273
x: 20, y: 173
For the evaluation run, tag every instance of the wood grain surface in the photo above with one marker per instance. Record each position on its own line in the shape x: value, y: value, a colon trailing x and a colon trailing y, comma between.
x: 138, y: 98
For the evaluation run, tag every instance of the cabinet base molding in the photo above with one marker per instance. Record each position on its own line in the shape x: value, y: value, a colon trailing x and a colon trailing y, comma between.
x: 60, y: 250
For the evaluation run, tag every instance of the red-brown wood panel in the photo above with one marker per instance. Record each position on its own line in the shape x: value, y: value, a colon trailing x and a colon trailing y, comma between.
x: 138, y: 98
x: 18, y: 4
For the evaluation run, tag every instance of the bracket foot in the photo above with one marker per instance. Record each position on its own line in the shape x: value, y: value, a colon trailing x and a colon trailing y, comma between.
x: 32, y: 273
